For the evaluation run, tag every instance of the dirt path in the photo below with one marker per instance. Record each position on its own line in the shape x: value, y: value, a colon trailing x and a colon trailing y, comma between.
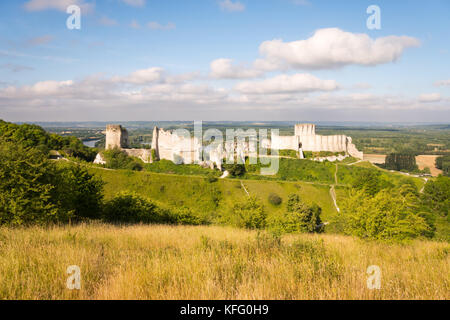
x: 333, y: 190
x: 243, y: 186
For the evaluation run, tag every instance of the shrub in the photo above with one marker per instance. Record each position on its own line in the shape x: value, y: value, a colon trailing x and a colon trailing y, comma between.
x: 235, y: 170
x: 248, y: 213
x: 184, y: 215
x: 118, y: 159
x: 130, y: 207
x: 298, y: 217
x: 275, y: 199
x: 153, y: 153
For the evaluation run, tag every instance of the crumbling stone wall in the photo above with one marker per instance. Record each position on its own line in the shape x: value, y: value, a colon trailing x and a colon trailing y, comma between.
x: 116, y: 136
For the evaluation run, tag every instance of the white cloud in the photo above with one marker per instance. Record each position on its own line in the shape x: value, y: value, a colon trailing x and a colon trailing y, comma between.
x: 224, y: 69
x: 230, y: 6
x: 143, y: 76
x: 430, y: 97
x: 442, y: 83
x: 61, y: 5
x: 332, y: 48
x: 157, y: 26
x: 297, y: 83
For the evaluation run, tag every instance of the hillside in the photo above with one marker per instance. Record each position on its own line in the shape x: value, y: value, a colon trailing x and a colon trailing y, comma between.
x: 208, y: 198
x: 210, y: 262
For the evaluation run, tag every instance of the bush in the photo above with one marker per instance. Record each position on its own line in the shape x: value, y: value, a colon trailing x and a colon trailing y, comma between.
x: 248, y: 213
x: 235, y: 170
x: 275, y: 199
x: 130, y: 207
x: 298, y: 217
x: 212, y: 178
x: 118, y: 159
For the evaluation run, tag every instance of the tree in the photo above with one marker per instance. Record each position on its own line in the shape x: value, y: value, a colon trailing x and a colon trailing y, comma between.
x: 78, y: 191
x: 301, y: 216
x: 249, y: 214
x: 389, y: 215
x: 401, y: 161
x: 368, y: 181
x: 436, y: 195
x: 26, y: 186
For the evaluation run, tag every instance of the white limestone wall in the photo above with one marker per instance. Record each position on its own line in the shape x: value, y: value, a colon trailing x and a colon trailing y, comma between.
x: 284, y: 142
x: 176, y: 148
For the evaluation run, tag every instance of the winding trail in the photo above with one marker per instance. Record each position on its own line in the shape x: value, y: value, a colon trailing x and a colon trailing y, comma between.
x: 243, y: 186
x: 333, y: 190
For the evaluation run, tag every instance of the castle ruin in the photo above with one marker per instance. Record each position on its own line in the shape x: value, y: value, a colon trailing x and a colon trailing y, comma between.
x: 306, y: 139
x: 184, y: 149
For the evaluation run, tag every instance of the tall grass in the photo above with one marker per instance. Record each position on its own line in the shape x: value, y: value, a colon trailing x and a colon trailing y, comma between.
x: 163, y: 262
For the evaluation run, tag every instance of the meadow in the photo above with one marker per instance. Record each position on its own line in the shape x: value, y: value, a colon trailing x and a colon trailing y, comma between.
x: 212, y: 262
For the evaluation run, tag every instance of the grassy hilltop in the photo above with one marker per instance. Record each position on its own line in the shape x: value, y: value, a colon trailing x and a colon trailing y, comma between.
x: 211, y: 262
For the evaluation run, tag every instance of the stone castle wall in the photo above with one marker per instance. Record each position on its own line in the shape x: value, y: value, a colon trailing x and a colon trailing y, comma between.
x: 179, y: 148
x: 305, y: 137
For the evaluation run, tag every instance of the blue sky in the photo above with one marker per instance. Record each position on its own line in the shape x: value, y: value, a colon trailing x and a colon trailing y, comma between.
x: 152, y: 60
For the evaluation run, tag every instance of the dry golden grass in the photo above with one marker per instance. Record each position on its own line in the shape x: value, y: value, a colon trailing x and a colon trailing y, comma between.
x: 180, y: 262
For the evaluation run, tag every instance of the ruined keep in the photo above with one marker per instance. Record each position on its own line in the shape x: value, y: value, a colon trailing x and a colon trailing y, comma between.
x: 116, y: 136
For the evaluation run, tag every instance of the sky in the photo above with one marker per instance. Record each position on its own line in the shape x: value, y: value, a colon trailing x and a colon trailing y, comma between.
x: 213, y: 60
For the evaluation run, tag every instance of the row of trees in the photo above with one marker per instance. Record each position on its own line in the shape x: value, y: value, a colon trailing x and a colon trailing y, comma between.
x: 443, y: 163
x: 401, y: 161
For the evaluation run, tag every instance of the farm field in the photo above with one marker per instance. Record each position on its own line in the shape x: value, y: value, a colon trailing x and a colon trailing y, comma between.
x: 423, y: 161
x: 212, y: 262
